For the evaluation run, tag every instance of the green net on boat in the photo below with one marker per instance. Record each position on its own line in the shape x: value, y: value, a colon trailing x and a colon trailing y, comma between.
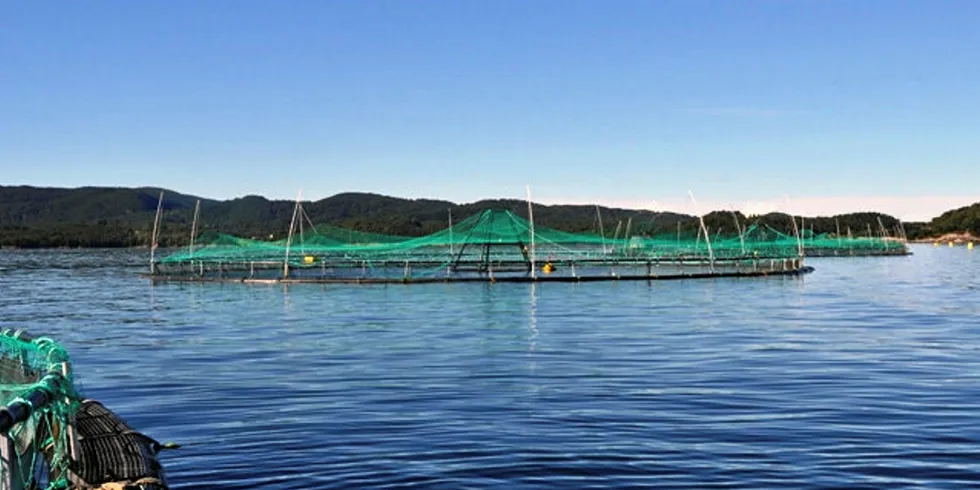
x: 39, y: 403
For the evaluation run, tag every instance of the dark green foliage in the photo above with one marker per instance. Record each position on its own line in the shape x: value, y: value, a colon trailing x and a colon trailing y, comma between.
x: 119, y: 217
x: 965, y: 219
x: 918, y: 230
x: 123, y: 217
x: 857, y: 224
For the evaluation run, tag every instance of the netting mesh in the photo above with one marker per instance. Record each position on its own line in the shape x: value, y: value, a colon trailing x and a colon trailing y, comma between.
x: 501, y: 240
x: 37, y: 392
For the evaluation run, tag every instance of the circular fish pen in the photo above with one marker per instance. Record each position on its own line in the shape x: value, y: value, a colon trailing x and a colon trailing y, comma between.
x: 493, y: 246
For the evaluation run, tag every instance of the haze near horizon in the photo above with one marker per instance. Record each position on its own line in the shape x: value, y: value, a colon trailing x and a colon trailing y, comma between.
x: 808, y: 107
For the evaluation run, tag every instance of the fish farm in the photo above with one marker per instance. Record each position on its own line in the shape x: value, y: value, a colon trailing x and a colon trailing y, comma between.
x: 51, y: 437
x: 493, y: 246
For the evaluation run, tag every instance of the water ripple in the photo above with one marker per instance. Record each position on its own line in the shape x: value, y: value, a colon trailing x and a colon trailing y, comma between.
x: 862, y: 375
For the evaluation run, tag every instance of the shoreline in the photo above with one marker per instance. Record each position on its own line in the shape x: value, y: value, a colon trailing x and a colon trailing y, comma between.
x: 955, y: 238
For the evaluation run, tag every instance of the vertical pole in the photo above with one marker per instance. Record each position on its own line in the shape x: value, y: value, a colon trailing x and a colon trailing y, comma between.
x: 10, y: 465
x: 837, y: 222
x: 738, y: 228
x: 530, y: 216
x: 451, y: 252
x: 302, y: 242
x: 707, y: 239
x: 153, y: 238
x: 602, y: 231
x: 626, y: 237
x: 799, y: 239
x: 289, y: 239
x: 799, y: 235
x: 197, y: 212
x: 70, y: 429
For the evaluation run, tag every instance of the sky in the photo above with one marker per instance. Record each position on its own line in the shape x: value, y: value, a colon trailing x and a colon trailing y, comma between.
x: 806, y: 106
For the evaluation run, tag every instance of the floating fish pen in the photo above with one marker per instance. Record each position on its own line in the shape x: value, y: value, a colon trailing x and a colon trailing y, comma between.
x: 831, y: 246
x: 494, y: 246
x: 51, y: 437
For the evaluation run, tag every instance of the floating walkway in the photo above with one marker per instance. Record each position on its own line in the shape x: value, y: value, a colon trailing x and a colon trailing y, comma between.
x: 558, y: 272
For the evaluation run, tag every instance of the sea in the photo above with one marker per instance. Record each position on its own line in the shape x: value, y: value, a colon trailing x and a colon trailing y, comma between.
x: 862, y: 374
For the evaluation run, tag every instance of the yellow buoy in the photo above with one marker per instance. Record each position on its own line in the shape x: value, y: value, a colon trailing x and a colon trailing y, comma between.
x: 950, y: 244
x: 969, y: 246
x: 309, y: 259
x: 548, y: 268
x: 935, y: 244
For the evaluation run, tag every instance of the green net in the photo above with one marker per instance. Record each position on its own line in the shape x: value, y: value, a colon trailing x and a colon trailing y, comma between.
x: 497, y: 240
x: 327, y: 234
x: 36, y: 391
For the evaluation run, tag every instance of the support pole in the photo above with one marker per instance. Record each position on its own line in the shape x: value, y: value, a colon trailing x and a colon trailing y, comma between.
x: 12, y: 475
x: 153, y: 238
x: 884, y: 231
x: 796, y: 230
x: 602, y: 231
x: 530, y: 216
x: 289, y: 239
x: 707, y: 239
x: 302, y: 241
x: 197, y: 212
x: 626, y: 237
x: 738, y: 227
x: 799, y: 240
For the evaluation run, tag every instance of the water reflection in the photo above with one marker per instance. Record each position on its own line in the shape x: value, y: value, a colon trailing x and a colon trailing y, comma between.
x: 532, y: 318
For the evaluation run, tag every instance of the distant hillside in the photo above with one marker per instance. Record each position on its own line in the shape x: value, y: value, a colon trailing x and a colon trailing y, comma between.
x: 965, y: 220
x: 123, y: 217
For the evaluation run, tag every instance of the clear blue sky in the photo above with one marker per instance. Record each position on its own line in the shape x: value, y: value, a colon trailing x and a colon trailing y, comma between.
x: 584, y: 100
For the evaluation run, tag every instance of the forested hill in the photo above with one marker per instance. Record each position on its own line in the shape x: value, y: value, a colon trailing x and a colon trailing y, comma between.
x: 123, y: 217
x: 960, y: 220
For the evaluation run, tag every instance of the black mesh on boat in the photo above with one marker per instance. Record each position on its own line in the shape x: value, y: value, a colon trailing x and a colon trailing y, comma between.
x: 109, y: 450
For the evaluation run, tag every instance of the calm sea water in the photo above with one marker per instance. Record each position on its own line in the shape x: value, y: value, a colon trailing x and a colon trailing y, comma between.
x: 864, y: 374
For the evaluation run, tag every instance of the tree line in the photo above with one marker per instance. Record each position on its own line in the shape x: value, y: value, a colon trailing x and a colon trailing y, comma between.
x: 123, y: 217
